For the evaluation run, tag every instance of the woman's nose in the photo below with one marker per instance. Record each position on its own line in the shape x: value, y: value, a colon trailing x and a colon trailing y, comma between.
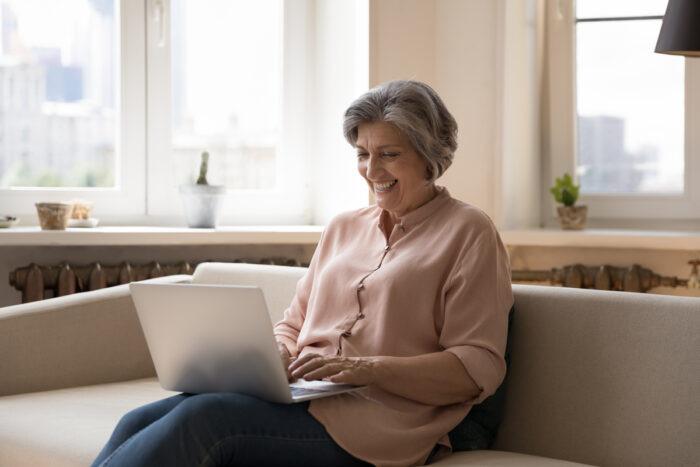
x: 373, y: 166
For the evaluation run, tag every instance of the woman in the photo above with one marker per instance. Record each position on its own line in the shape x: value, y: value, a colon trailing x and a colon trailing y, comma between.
x: 409, y: 297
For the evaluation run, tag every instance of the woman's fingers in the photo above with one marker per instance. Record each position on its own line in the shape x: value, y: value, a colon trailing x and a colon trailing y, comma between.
x: 357, y: 371
x: 309, y: 366
x: 302, y: 361
x: 286, y: 358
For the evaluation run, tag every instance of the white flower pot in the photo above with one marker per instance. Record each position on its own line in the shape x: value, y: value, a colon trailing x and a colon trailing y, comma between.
x: 202, y: 204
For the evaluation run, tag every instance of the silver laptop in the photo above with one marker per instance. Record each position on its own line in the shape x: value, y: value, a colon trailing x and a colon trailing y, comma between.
x: 218, y: 338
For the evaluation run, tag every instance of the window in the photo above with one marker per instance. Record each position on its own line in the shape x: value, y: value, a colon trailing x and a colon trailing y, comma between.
x: 63, y: 98
x: 218, y: 69
x: 59, y: 71
x: 622, y: 117
x: 114, y: 101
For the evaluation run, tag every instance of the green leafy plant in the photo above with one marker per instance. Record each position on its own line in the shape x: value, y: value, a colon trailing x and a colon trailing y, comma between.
x: 564, y: 191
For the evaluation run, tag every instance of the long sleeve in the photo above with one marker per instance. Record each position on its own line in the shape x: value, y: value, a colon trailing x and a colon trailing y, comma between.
x: 287, y: 330
x: 478, y: 298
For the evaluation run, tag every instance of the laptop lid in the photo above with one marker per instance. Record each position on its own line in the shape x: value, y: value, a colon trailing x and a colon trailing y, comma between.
x: 217, y: 338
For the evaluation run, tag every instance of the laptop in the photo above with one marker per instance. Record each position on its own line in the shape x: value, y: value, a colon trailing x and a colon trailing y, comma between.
x: 218, y: 338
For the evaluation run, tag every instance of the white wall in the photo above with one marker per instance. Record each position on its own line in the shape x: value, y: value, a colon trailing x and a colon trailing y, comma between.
x: 452, y: 45
x: 341, y: 55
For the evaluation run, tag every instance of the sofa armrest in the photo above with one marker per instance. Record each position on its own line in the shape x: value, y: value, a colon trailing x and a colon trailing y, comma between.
x: 87, y: 338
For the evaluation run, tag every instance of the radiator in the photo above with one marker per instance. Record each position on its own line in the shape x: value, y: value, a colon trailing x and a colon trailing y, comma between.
x: 65, y: 279
x: 634, y: 278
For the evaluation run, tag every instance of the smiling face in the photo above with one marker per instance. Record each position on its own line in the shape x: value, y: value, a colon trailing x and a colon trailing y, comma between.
x: 394, y: 171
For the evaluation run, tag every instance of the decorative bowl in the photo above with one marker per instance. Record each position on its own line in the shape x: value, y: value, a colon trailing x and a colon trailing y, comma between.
x: 8, y: 221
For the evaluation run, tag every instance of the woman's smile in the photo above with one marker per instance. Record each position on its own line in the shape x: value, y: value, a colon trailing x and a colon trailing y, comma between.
x: 384, y: 187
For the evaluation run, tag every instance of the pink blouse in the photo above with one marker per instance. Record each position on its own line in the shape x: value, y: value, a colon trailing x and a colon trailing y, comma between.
x: 439, y: 281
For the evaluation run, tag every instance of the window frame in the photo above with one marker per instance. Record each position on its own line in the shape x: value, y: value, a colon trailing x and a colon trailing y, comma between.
x: 289, y: 202
x: 127, y: 198
x: 143, y: 137
x: 562, y: 144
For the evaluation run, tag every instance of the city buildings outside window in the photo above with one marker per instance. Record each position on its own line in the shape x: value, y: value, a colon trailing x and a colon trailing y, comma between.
x: 58, y: 82
x: 621, y: 90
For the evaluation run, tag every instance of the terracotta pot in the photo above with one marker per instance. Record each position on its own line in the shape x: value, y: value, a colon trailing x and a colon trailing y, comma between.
x: 572, y: 217
x: 54, y: 216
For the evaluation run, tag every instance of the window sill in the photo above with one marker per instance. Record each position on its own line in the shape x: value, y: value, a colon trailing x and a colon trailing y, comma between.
x: 599, y: 238
x: 310, y: 235
x: 122, y: 236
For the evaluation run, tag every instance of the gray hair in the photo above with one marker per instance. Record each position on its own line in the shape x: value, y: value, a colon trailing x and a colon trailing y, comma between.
x: 417, y: 111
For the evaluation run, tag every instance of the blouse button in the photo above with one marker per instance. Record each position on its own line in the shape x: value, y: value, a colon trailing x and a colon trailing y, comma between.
x: 360, y: 286
x: 347, y: 334
x: 360, y: 316
x: 386, y: 248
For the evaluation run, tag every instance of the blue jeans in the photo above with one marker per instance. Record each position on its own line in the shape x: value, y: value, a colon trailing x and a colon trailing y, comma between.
x: 221, y: 429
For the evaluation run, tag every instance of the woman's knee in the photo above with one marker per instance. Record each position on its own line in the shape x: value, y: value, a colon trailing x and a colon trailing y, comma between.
x: 219, y: 409
x: 199, y: 409
x: 139, y: 418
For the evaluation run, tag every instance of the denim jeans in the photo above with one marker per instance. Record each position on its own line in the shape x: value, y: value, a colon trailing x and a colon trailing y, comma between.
x: 221, y: 429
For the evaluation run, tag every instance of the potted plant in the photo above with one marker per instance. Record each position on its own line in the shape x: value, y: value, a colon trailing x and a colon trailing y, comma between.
x: 202, y: 202
x: 571, y: 216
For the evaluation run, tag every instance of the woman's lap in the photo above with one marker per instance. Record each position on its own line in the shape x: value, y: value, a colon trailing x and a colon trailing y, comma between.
x: 219, y: 430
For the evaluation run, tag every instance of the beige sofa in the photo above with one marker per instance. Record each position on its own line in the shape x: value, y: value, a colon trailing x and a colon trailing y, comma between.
x: 602, y: 378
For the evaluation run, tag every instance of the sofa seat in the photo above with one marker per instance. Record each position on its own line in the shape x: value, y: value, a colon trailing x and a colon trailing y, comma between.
x: 493, y: 458
x: 75, y: 423
x: 72, y: 424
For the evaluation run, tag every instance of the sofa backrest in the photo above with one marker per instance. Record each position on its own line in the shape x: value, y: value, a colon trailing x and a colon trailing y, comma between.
x: 278, y: 283
x: 603, y: 378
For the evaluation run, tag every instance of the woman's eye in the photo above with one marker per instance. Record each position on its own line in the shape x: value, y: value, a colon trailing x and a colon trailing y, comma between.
x: 390, y: 154
x: 362, y: 154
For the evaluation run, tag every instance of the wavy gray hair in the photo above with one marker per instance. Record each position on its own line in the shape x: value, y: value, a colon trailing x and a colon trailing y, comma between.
x: 417, y: 111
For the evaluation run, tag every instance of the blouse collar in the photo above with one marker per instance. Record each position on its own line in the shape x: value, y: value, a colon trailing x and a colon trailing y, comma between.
x: 421, y: 213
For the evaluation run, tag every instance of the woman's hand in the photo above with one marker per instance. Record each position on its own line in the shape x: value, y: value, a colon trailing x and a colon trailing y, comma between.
x: 358, y: 371
x: 287, y: 359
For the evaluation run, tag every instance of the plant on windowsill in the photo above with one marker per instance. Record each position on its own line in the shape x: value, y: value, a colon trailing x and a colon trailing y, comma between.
x: 571, y: 216
x: 202, y: 202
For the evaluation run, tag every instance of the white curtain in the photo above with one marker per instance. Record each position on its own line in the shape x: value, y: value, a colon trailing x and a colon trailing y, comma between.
x: 521, y: 111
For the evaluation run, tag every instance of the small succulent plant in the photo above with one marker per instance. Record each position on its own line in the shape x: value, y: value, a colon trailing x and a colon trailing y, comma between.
x: 203, y: 168
x: 564, y: 191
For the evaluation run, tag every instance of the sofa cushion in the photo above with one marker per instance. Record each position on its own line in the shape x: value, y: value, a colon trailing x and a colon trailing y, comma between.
x: 603, y: 378
x: 277, y: 283
x: 500, y: 459
x: 67, y: 427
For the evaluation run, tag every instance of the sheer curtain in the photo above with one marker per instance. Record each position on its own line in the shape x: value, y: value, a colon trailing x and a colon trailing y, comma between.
x: 523, y: 78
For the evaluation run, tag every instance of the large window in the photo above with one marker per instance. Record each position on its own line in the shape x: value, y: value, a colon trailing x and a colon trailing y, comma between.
x: 221, y: 70
x: 227, y: 99
x: 58, y: 93
x: 115, y: 100
x: 622, y: 117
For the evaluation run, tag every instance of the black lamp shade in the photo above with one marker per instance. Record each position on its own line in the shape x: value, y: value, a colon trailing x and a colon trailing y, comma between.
x: 680, y: 29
